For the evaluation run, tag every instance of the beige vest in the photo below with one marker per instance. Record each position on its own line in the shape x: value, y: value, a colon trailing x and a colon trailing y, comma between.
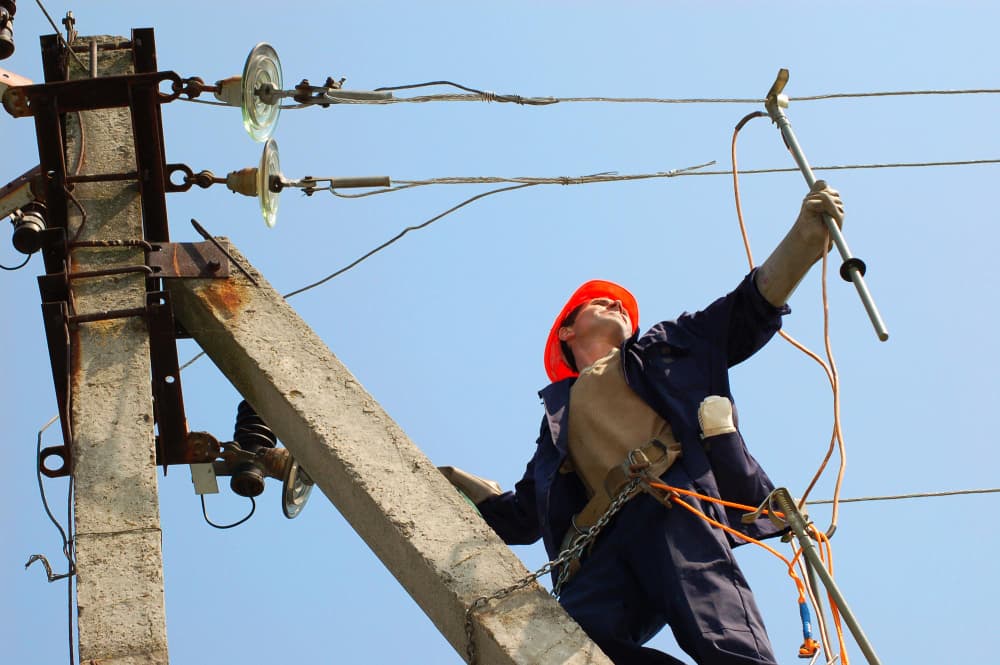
x: 607, y: 420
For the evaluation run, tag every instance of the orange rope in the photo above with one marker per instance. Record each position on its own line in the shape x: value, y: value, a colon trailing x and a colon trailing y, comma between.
x: 824, y: 542
x: 836, y: 439
x: 826, y: 556
x: 728, y: 529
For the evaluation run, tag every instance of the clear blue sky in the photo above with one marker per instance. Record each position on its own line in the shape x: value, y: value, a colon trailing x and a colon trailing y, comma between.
x: 446, y: 327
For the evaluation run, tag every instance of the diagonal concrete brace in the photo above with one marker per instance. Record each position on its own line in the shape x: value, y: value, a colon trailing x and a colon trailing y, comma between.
x: 434, y: 543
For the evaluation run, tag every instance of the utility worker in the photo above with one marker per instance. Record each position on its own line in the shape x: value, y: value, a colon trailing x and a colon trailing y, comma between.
x: 656, y: 404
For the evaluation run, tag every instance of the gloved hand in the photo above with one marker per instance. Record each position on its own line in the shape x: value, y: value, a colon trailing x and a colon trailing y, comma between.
x: 476, y: 488
x: 810, y: 226
x: 801, y: 247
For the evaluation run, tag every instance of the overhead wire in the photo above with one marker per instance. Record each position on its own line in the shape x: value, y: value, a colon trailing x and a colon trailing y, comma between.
x: 606, y: 176
x: 402, y: 233
x: 475, y: 94
x: 472, y: 94
x: 599, y: 177
x: 916, y: 495
x: 612, y: 177
x: 852, y: 167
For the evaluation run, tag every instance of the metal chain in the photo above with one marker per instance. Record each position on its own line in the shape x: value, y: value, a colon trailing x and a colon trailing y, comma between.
x: 574, y: 551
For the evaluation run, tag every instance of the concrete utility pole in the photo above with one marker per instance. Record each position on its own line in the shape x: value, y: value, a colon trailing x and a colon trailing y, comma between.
x: 429, y: 538
x: 118, y: 551
x: 104, y: 181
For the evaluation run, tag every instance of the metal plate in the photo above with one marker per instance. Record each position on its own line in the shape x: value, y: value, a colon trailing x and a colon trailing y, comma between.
x: 262, y: 68
x: 188, y: 259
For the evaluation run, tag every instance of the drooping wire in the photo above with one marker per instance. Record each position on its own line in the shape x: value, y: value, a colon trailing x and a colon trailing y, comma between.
x: 829, y: 366
x: 65, y: 534
x: 402, y: 233
x: 522, y: 183
x: 204, y: 512
x: 45, y: 502
x: 20, y: 265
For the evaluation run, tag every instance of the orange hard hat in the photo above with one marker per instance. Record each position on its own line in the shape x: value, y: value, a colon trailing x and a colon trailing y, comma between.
x: 556, y: 365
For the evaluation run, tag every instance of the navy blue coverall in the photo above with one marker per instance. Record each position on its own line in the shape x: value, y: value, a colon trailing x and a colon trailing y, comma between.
x: 653, y: 566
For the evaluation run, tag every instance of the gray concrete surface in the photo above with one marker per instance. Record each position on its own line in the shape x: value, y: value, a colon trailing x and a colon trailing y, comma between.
x: 435, y: 544
x: 119, y: 582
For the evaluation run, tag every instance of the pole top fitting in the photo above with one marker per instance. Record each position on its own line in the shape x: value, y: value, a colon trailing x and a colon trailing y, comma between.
x: 775, y: 100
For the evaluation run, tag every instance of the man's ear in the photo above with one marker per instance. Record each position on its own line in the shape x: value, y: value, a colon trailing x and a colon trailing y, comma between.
x: 566, y: 333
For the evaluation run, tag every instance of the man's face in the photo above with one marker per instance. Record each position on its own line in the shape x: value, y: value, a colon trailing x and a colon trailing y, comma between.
x: 603, y: 317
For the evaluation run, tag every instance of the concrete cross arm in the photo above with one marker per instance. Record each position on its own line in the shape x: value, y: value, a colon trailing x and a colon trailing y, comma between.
x: 442, y: 553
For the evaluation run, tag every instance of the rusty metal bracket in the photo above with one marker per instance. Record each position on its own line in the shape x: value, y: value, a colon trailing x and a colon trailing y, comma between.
x: 168, y: 399
x: 57, y: 334
x: 188, y: 259
x: 141, y: 93
x: 173, y: 444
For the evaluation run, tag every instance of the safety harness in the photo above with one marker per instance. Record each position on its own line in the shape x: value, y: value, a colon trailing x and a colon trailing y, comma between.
x: 641, y: 468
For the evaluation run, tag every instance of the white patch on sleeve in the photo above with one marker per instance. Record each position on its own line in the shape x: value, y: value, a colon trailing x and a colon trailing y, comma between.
x: 715, y: 415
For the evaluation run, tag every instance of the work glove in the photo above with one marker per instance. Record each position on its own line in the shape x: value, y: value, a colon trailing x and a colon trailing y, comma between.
x: 715, y: 416
x: 810, y: 226
x: 475, y: 488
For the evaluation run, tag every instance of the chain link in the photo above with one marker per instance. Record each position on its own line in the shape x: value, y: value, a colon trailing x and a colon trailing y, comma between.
x: 574, y: 551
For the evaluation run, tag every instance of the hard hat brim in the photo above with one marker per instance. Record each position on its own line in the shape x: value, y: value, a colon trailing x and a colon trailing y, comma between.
x: 555, y: 364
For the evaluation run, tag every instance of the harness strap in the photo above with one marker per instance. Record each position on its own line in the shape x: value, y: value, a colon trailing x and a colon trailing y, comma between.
x: 647, y: 463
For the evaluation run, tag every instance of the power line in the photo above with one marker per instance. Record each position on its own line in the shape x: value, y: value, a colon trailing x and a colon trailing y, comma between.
x: 614, y: 177
x: 534, y: 181
x: 920, y: 495
x: 520, y: 184
x: 849, y: 167
x: 476, y: 95
x: 607, y: 176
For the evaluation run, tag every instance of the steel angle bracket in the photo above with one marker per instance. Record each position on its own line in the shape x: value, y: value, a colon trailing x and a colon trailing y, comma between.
x: 57, y: 334
x: 202, y: 260
x: 168, y: 398
x: 140, y: 92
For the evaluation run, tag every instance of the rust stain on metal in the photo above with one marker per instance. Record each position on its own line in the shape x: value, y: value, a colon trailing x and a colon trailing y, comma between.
x: 73, y: 353
x: 225, y: 296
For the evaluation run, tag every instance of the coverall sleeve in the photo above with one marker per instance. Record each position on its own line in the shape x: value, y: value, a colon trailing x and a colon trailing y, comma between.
x: 513, y: 515
x: 740, y: 322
